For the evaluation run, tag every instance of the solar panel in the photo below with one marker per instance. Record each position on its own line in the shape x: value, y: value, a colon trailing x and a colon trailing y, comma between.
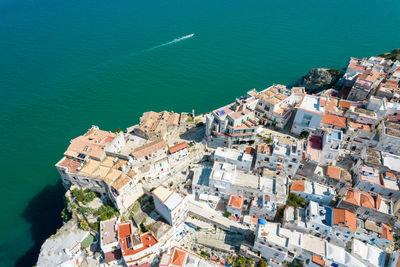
x: 82, y: 156
x: 221, y: 112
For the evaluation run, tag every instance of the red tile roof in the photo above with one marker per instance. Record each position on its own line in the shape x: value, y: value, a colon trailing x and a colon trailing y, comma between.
x: 124, y: 230
x: 298, y: 185
x: 387, y: 232
x: 367, y: 201
x: 334, y: 120
x: 178, y: 147
x: 178, y: 258
x: 249, y: 150
x: 236, y: 202
x: 345, y: 218
x: 333, y: 172
x: 318, y: 260
x: 352, y: 196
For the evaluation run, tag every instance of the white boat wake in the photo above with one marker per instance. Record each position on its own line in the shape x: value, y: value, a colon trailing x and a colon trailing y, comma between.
x: 176, y: 40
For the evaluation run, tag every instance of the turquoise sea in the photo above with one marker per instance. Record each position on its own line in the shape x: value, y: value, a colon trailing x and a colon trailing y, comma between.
x: 66, y: 65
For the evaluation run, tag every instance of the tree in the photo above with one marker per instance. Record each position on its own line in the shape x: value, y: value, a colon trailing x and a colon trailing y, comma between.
x: 304, y: 134
x: 262, y: 263
x: 295, y: 201
x: 117, y: 130
x: 227, y: 214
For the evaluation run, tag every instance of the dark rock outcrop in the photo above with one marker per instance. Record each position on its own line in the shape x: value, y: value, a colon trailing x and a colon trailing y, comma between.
x: 320, y: 79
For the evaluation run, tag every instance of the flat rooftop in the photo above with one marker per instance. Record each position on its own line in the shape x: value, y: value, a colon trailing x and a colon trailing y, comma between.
x: 312, y: 103
x: 108, y: 232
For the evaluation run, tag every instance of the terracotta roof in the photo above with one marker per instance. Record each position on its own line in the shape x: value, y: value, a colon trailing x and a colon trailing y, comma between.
x: 236, y: 202
x: 387, y: 232
x: 91, y: 143
x: 124, y: 230
x: 318, y: 260
x: 333, y: 172
x: 360, y: 126
x: 298, y: 185
x: 178, y: 258
x: 178, y: 147
x: 334, y: 120
x: 352, y: 196
x: 345, y: 218
x: 264, y: 149
x: 367, y: 201
x: 149, y: 148
x: 249, y: 150
x: 71, y: 164
x: 345, y: 104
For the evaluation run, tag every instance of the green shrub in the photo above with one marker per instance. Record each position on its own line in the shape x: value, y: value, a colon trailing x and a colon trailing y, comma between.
x: 227, y: 214
x: 304, y: 134
x: 106, y: 212
x: 295, y: 201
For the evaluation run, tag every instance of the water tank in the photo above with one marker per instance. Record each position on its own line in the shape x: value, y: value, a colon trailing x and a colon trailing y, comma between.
x: 262, y: 221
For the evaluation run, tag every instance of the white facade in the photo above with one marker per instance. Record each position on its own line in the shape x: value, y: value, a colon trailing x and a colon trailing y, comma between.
x: 331, y: 142
x: 308, y: 115
x: 282, y: 154
x: 240, y: 159
x: 170, y: 205
x: 312, y: 191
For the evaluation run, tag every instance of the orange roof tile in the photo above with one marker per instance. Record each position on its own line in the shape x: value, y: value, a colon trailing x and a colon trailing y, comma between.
x: 352, y: 196
x: 345, y: 104
x: 318, y: 260
x: 345, y: 218
x: 178, y: 147
x: 124, y: 230
x: 360, y: 126
x: 387, y: 232
x: 178, y: 258
x: 298, y: 185
x: 149, y: 148
x: 236, y: 202
x: 367, y: 201
x: 264, y: 148
x: 334, y: 120
x: 333, y: 172
x: 249, y: 150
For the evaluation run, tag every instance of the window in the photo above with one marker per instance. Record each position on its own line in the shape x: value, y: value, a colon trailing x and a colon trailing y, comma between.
x: 306, y: 120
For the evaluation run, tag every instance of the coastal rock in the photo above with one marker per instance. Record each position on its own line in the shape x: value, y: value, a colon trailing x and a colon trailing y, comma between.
x: 320, y: 79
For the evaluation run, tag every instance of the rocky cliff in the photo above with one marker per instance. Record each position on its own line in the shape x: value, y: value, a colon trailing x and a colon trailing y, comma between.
x: 320, y: 79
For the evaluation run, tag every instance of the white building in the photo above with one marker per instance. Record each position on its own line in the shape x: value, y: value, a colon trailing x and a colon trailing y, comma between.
x: 232, y: 124
x: 368, y: 179
x: 331, y: 142
x: 235, y: 206
x: 312, y: 191
x: 170, y: 205
x: 64, y: 248
x: 222, y: 178
x: 389, y: 137
x: 370, y: 255
x: 242, y: 160
x: 283, y: 154
x: 182, y: 257
x: 109, y: 242
x: 278, y: 244
x: 308, y: 115
x: 276, y: 104
x: 136, y: 247
x: 179, y: 152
